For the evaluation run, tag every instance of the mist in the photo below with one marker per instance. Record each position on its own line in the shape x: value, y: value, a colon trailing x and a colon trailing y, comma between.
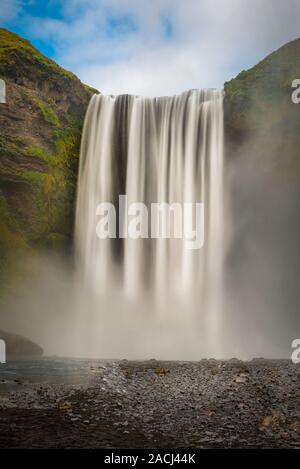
x: 263, y: 262
x: 54, y: 308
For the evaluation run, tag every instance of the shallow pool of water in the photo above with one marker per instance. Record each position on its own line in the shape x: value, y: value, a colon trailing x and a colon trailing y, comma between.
x: 47, y: 371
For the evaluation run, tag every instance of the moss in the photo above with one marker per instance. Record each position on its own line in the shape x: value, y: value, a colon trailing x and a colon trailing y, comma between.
x: 91, y: 90
x: 48, y: 113
x: 38, y: 152
x: 12, y: 45
x: 39, y: 158
x: 35, y: 178
x: 10, y: 148
x: 67, y: 146
x: 259, y: 99
x: 53, y: 191
x: 60, y: 184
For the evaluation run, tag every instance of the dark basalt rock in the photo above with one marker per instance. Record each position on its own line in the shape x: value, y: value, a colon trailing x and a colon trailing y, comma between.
x: 20, y: 348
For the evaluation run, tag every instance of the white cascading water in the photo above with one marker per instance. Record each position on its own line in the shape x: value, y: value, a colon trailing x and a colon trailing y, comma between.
x: 168, y: 150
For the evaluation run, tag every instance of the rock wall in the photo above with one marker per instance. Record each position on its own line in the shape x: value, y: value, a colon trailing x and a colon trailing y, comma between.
x: 262, y: 131
x: 40, y: 130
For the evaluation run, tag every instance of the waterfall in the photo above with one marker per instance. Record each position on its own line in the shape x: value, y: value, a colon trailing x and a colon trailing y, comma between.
x: 166, y: 150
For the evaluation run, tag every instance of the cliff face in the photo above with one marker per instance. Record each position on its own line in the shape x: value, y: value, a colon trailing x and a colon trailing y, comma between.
x: 20, y: 348
x: 262, y: 132
x: 260, y: 116
x: 40, y: 130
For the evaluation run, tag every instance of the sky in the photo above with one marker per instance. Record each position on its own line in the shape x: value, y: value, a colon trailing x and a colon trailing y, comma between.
x: 154, y: 47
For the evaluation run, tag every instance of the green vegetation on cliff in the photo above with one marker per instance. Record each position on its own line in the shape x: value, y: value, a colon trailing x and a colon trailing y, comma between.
x: 14, y: 48
x: 48, y: 114
x: 260, y: 98
x: 40, y: 131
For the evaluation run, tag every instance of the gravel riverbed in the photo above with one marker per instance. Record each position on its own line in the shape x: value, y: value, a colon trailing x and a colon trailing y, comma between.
x: 154, y: 404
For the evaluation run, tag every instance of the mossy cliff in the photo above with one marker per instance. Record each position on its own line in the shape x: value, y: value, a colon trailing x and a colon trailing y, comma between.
x: 259, y: 109
x: 40, y: 130
x: 262, y: 133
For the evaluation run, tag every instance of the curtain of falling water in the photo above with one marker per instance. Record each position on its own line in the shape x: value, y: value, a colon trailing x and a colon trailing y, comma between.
x: 168, y: 150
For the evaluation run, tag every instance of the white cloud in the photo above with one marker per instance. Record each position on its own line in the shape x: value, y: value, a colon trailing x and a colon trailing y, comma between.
x: 9, y: 9
x: 209, y: 41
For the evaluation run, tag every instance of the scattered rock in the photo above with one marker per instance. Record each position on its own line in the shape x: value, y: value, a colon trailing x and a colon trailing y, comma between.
x: 161, y: 371
x: 190, y: 407
x: 274, y: 422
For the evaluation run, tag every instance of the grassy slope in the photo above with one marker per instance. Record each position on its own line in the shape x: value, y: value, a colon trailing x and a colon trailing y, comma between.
x: 260, y: 98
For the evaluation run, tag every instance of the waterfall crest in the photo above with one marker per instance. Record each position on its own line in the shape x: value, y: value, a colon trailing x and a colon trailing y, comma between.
x: 154, y: 150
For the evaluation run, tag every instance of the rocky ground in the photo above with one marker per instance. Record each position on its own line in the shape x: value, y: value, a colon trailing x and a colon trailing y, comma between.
x: 206, y: 404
